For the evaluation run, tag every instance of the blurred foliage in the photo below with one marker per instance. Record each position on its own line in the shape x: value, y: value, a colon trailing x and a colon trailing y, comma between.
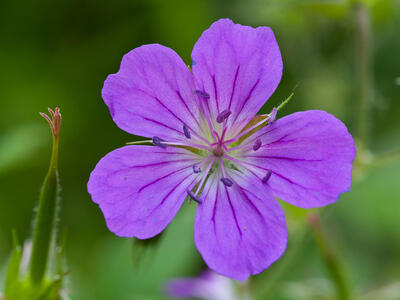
x: 58, y: 53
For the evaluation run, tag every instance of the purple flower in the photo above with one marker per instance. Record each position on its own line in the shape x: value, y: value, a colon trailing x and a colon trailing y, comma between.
x: 211, y: 146
x: 207, y: 286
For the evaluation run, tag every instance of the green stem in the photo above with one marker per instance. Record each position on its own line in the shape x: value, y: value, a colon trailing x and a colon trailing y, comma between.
x: 331, y: 260
x: 45, y: 219
x: 363, y: 63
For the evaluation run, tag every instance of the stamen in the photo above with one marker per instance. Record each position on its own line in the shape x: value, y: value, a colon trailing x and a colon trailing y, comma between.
x: 204, y: 176
x: 222, y: 116
x: 257, y: 144
x: 193, y: 196
x: 205, y: 111
x: 196, y: 169
x: 186, y: 131
x: 270, y: 119
x: 266, y: 177
x: 139, y: 142
x: 158, y: 142
x: 202, y: 94
x: 250, y: 167
x: 187, y: 145
x: 190, y: 131
x: 226, y: 181
x: 272, y: 115
x: 239, y: 147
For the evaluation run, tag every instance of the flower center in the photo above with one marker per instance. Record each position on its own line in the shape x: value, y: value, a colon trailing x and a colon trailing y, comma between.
x: 218, y: 151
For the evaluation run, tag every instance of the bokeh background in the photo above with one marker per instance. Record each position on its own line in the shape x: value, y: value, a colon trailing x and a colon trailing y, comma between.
x: 58, y: 53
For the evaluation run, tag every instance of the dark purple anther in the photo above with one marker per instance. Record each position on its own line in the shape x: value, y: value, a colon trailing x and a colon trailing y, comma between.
x: 257, y: 144
x: 202, y: 94
x: 266, y: 177
x: 186, y: 131
x: 226, y: 181
x: 196, y: 169
x: 193, y: 196
x: 158, y: 142
x: 222, y: 116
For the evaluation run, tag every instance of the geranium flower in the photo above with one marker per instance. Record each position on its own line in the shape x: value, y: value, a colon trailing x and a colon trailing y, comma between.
x: 207, y: 286
x: 210, y: 145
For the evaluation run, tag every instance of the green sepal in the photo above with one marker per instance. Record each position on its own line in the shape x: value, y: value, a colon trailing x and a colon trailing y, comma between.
x: 45, y: 220
x: 52, y: 291
x: 12, y: 278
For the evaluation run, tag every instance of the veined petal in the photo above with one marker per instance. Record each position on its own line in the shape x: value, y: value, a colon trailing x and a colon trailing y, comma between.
x: 141, y: 188
x: 152, y: 94
x: 239, y: 230
x: 239, y: 67
x: 310, y: 155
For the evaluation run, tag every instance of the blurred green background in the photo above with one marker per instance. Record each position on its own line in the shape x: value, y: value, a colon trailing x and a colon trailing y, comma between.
x: 58, y: 53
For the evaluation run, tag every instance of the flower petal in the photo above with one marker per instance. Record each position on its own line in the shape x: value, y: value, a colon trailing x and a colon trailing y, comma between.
x: 310, y: 155
x: 239, y: 67
x: 141, y: 188
x: 152, y: 94
x: 208, y: 286
x: 239, y: 230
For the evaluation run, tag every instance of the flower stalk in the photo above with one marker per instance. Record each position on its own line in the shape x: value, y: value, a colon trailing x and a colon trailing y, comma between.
x: 363, y: 64
x: 44, y: 223
x: 330, y: 258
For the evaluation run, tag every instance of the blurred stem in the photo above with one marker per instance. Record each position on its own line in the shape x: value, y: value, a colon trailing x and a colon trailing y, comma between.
x: 267, y: 281
x: 45, y: 218
x: 386, y: 158
x: 363, y: 64
x: 331, y: 260
x: 244, y: 289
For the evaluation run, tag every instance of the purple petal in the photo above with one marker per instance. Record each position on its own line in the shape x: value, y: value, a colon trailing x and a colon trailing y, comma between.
x: 310, y: 155
x: 182, y: 288
x: 239, y: 67
x: 152, y: 94
x: 141, y: 188
x: 239, y: 230
x: 207, y: 286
